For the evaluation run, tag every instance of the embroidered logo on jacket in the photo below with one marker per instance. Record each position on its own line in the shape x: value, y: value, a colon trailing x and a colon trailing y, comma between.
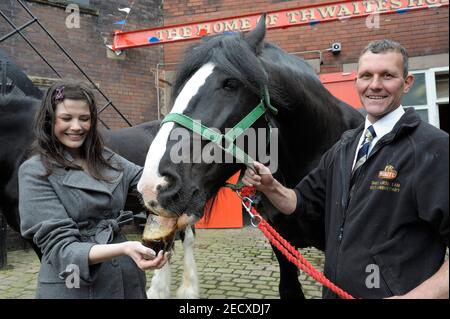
x: 386, y: 181
x: 389, y: 173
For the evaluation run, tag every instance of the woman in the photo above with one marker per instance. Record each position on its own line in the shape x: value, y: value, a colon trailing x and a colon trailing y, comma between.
x: 71, y: 195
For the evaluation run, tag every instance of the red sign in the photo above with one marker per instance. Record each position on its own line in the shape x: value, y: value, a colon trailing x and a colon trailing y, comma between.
x: 275, y: 19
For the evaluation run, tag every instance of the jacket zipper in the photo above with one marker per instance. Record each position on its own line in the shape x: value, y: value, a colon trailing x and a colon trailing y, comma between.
x: 344, y: 199
x: 344, y: 203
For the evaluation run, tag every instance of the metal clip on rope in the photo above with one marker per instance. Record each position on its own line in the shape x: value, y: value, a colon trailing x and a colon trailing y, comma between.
x: 255, y: 219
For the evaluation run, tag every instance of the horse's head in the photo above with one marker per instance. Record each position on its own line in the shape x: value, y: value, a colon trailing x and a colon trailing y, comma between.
x: 219, y: 84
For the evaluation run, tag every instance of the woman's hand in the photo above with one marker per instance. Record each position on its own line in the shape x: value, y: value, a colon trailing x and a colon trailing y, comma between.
x: 144, y: 257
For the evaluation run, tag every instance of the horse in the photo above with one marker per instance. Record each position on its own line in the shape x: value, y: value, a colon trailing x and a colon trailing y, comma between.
x: 220, y: 81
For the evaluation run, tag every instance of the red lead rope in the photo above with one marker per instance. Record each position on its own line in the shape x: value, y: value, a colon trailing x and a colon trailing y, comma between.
x: 292, y: 254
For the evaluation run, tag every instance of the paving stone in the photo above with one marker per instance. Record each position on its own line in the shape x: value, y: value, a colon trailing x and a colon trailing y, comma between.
x: 213, y: 296
x: 207, y: 286
x: 218, y: 292
x: 269, y: 292
x: 251, y: 290
x: 234, y: 293
x: 229, y: 288
x: 254, y: 296
x: 241, y: 280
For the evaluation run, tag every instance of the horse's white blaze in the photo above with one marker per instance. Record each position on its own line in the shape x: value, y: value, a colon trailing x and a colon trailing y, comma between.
x: 190, y: 287
x: 151, y: 177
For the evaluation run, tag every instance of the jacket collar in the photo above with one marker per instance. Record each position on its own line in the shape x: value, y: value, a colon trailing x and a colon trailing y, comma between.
x: 80, y: 179
x: 107, y: 154
x: 407, y: 122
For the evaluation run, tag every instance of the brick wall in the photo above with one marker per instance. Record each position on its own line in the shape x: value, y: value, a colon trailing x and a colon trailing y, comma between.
x: 423, y: 32
x: 128, y: 82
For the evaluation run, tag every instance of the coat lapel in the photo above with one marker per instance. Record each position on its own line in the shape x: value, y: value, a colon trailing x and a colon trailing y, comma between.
x: 80, y: 179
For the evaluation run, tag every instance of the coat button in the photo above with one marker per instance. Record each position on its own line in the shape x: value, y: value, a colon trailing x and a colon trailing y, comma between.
x: 115, y: 262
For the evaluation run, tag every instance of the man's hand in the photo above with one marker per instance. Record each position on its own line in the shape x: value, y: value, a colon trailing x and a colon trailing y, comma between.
x: 262, y: 180
x: 435, y: 287
x: 281, y: 197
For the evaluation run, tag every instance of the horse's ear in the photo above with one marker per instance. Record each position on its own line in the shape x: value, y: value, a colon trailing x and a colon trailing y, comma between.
x: 255, y: 38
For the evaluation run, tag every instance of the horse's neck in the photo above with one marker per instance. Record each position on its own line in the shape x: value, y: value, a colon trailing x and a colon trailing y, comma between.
x: 303, y: 137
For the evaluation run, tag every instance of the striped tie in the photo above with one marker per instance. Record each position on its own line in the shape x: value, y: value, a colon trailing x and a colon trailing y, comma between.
x: 364, y: 149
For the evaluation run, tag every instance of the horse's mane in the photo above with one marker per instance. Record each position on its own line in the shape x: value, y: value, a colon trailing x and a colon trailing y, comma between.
x: 292, y: 78
x: 231, y: 54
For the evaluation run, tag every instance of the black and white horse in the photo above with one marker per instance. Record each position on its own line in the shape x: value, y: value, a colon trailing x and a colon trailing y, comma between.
x: 220, y: 82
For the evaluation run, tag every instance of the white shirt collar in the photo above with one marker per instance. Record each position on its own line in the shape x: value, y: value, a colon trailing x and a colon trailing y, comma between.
x: 381, y: 127
x: 385, y: 124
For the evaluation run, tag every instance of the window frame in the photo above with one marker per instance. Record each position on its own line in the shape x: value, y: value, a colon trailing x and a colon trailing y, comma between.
x: 433, y: 102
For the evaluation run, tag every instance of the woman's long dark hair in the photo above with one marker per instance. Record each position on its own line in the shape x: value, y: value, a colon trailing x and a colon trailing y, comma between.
x: 47, y: 144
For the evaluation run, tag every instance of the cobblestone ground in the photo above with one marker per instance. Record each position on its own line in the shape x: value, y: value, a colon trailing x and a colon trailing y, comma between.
x: 231, y: 263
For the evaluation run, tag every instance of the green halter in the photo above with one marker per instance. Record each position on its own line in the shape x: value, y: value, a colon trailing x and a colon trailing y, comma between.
x: 233, y: 134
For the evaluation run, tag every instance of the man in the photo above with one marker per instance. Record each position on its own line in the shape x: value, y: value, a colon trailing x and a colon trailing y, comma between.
x: 383, y: 189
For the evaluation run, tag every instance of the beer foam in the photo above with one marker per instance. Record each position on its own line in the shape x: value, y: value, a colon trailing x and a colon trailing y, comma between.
x: 157, y: 233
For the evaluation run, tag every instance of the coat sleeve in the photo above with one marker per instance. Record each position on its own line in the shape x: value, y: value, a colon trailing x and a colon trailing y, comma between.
x: 311, y: 191
x: 45, y: 220
x: 132, y: 172
x: 311, y: 201
x: 431, y: 166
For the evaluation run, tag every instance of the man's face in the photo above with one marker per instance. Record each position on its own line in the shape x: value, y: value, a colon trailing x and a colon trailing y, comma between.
x: 380, y: 83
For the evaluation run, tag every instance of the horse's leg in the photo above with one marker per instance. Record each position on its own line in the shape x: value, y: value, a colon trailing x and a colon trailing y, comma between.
x: 160, y: 286
x: 289, y: 286
x: 189, y: 289
x: 11, y: 213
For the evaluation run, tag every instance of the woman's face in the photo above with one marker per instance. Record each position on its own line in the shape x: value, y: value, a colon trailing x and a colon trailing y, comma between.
x: 72, y: 123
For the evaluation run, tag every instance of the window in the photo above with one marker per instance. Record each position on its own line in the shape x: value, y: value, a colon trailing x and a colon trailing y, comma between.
x: 429, y: 96
x: 417, y: 96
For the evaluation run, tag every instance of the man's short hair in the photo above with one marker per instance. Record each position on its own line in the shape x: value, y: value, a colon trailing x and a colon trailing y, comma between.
x: 382, y: 46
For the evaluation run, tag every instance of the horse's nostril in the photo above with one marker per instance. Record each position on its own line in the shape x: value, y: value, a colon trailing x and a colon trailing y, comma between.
x: 158, y: 188
x: 152, y: 204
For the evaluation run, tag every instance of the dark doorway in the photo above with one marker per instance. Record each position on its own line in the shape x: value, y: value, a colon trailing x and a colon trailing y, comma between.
x: 444, y: 117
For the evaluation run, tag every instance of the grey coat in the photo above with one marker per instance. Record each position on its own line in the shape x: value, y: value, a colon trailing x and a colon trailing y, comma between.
x: 69, y: 212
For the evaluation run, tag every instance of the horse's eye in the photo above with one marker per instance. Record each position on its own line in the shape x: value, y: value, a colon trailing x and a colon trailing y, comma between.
x: 230, y: 84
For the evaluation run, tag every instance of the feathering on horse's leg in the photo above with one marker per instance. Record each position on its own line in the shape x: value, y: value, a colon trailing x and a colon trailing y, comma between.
x: 160, y: 285
x: 189, y: 289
